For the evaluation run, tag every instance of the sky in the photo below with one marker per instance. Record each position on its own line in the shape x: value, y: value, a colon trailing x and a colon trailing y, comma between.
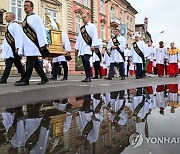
x: 163, y: 15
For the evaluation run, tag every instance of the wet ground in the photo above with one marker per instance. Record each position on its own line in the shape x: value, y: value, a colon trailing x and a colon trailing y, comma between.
x: 131, y: 121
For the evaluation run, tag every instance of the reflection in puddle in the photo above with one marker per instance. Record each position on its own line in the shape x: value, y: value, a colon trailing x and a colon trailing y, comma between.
x: 99, y: 123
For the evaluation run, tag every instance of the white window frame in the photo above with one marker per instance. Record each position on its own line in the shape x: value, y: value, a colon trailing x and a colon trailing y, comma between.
x: 78, y: 23
x: 79, y: 1
x: 16, y: 9
x: 86, y: 3
x: 112, y: 12
x: 102, y: 27
x: 102, y: 7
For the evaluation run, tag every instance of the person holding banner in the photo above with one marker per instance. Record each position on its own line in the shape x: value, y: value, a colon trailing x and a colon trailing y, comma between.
x: 34, y: 44
x: 86, y: 42
x: 116, y: 46
x: 139, y: 53
x: 12, y: 44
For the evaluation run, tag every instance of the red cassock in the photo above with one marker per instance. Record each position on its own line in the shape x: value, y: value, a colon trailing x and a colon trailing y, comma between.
x: 160, y: 69
x: 173, y: 69
x: 149, y: 67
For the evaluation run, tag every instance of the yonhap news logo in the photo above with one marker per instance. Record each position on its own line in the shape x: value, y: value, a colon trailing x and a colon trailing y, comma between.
x: 137, y: 139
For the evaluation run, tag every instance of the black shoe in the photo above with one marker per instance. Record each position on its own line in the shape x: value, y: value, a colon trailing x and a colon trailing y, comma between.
x: 137, y: 77
x: 18, y: 81
x: 86, y: 80
x: 43, y: 82
x: 3, y: 81
x: 52, y: 79
x: 108, y: 78
x: 123, y: 78
x: 95, y: 77
x: 21, y: 83
x: 63, y: 79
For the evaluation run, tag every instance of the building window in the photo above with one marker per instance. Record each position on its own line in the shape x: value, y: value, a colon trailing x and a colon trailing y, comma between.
x: 78, y: 23
x: 79, y: 1
x: 52, y: 13
x: 112, y: 12
x: 86, y: 3
x: 16, y: 8
x: 102, y: 32
x: 130, y: 24
x: 102, y: 7
x: 120, y: 17
x: 127, y: 22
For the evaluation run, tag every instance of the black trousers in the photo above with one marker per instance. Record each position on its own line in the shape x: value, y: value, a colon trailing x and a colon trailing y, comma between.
x: 8, y: 67
x: 97, y: 68
x: 139, y: 71
x: 33, y: 62
x: 65, y: 68
x: 86, y: 64
x: 121, y: 69
x: 56, y: 67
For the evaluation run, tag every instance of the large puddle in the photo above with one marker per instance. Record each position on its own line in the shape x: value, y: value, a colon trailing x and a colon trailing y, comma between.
x: 142, y: 120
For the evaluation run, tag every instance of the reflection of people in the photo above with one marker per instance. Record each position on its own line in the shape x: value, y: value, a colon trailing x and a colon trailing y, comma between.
x: 33, y: 24
x: 86, y: 41
x: 62, y: 59
x: 161, y: 102
x: 10, y: 49
x: 87, y: 121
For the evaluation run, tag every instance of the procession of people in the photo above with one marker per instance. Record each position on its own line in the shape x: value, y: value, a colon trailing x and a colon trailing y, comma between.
x: 30, y: 41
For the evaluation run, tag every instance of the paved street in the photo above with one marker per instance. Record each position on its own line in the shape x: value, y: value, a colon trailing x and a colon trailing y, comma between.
x: 11, y: 95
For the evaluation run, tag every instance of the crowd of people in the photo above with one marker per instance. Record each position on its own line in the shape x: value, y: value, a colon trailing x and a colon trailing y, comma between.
x: 30, y: 41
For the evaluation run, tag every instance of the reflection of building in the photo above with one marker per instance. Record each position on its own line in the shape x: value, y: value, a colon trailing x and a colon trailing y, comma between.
x: 142, y: 30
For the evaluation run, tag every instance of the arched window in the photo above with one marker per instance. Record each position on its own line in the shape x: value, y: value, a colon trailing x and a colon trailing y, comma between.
x: 78, y: 23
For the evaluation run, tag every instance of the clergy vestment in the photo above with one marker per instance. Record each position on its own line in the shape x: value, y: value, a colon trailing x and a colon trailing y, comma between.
x: 160, y: 55
x: 31, y: 50
x: 84, y: 50
x: 173, y: 55
x: 7, y: 52
x: 115, y: 56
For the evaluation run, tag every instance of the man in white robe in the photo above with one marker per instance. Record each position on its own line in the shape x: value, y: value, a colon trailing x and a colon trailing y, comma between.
x: 62, y: 59
x: 85, y: 48
x: 31, y: 50
x: 116, y: 46
x: 138, y: 59
x: 8, y: 54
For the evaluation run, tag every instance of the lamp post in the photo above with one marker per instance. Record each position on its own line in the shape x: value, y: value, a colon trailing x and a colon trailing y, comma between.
x: 157, y: 36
